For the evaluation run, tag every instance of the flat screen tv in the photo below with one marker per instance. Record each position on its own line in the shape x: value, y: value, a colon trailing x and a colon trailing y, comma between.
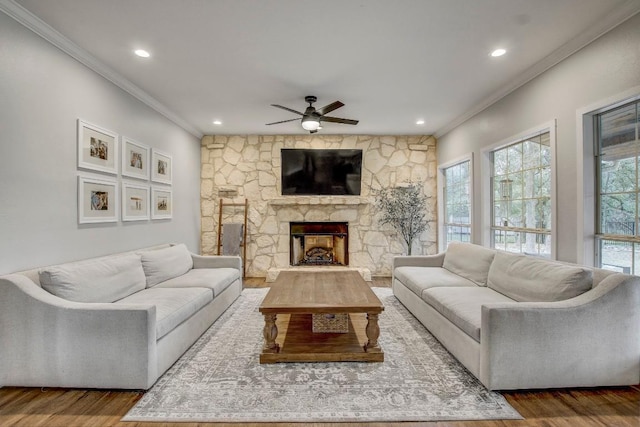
x: 321, y: 172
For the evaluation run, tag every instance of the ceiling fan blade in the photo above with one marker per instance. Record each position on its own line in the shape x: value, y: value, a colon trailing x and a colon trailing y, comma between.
x: 338, y: 120
x: 282, y: 121
x: 286, y: 108
x: 329, y: 108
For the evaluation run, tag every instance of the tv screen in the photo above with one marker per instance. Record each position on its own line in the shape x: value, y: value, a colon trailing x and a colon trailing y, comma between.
x: 321, y: 172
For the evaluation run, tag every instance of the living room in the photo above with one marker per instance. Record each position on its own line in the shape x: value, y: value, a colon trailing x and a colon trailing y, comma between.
x: 49, y: 84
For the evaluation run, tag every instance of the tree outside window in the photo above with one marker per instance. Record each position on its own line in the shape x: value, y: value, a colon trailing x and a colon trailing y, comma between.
x: 617, y: 157
x: 521, y: 196
x: 457, y: 203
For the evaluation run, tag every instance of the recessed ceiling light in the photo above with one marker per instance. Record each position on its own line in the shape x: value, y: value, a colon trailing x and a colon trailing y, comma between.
x: 420, y: 122
x: 142, y: 53
x: 498, y: 52
x: 217, y: 122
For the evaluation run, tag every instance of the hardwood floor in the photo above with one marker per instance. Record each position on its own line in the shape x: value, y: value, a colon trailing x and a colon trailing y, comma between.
x: 31, y: 407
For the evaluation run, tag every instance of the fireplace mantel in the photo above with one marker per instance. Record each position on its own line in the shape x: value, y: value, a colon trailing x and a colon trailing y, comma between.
x: 319, y: 200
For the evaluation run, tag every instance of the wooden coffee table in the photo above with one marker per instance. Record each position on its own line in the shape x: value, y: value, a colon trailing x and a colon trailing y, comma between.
x: 288, y: 309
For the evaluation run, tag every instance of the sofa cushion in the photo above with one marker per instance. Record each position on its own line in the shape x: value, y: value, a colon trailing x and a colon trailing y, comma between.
x: 164, y: 264
x: 420, y: 278
x: 526, y: 278
x: 97, y: 280
x: 173, y: 306
x: 469, y: 260
x: 216, y: 279
x: 463, y: 306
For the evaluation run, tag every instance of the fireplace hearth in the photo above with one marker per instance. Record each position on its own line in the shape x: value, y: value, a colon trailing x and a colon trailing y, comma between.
x: 319, y: 243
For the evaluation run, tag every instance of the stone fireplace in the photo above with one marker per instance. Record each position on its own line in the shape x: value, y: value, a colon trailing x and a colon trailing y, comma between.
x: 319, y: 243
x: 238, y: 167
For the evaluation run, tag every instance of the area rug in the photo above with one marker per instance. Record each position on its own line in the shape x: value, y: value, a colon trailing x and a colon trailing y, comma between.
x: 219, y: 379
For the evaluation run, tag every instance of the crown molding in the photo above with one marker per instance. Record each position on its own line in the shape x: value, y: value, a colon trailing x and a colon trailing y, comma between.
x: 608, y: 22
x: 38, y: 26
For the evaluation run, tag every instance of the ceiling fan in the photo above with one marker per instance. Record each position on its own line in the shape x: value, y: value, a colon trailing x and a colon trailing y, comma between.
x: 311, y: 118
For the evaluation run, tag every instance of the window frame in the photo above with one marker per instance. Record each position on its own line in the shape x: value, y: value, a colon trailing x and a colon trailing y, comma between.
x: 599, y: 235
x: 586, y: 245
x: 487, y: 170
x: 442, y: 199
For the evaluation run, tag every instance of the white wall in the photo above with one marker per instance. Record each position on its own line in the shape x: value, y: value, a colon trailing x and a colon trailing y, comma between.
x: 608, y: 66
x: 42, y: 94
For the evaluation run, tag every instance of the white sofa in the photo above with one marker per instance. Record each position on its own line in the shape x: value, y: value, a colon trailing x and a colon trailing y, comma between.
x: 118, y: 321
x: 523, y: 322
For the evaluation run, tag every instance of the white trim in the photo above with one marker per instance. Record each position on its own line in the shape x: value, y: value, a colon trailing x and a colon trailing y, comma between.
x: 603, y: 25
x: 585, y: 185
x: 440, y: 195
x: 485, y: 196
x: 38, y: 26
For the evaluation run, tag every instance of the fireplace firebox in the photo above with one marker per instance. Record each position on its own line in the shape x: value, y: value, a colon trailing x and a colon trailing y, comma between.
x: 319, y: 243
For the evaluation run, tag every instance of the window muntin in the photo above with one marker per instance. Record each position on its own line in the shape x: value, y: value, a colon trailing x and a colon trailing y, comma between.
x: 457, y: 203
x: 618, y: 188
x: 521, y: 196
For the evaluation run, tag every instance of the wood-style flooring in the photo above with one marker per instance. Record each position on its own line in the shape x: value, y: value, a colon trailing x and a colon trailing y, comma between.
x: 618, y: 406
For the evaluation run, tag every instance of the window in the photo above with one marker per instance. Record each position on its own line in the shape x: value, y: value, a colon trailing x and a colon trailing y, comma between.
x: 521, y: 196
x: 457, y: 203
x: 617, y: 186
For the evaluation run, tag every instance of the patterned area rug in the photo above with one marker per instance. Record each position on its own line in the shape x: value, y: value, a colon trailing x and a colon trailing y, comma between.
x: 219, y: 379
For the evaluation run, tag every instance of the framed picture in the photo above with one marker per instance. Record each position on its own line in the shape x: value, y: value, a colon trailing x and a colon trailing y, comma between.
x: 161, y: 203
x: 135, y: 202
x: 97, y: 200
x: 97, y: 148
x: 135, y: 159
x: 161, y: 167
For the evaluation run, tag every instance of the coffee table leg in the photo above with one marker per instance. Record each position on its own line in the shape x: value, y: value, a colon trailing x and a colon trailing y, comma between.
x: 270, y: 333
x: 373, y: 332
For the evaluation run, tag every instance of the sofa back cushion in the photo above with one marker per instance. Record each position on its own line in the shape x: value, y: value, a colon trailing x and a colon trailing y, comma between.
x: 469, y: 261
x: 526, y: 278
x: 97, y: 280
x: 165, y: 264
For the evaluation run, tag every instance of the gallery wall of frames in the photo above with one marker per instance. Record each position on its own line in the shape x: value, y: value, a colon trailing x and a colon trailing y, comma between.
x: 129, y: 180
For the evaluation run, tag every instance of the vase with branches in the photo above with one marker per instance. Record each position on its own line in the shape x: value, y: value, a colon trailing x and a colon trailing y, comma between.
x: 405, y: 209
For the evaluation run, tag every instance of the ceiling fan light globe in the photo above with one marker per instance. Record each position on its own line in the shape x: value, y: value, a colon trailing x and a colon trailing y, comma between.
x: 310, y: 123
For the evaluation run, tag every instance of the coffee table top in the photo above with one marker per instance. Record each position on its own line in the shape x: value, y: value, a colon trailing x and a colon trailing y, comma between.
x: 320, y: 292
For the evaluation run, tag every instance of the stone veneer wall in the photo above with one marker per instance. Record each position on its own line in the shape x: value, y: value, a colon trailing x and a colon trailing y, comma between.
x: 248, y: 166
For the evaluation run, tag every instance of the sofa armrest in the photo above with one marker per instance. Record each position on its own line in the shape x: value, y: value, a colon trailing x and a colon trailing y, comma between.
x: 589, y: 340
x: 419, y: 261
x: 49, y: 341
x: 217, y: 261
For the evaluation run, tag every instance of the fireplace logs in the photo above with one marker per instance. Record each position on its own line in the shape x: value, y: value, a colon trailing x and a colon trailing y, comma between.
x: 319, y: 243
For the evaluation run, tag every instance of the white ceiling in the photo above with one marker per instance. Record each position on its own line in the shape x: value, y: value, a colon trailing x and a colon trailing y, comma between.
x: 390, y: 62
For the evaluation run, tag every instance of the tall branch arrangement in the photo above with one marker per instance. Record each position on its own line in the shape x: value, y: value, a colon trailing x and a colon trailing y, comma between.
x: 405, y: 209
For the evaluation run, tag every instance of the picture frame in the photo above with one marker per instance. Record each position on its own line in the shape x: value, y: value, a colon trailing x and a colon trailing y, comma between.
x: 161, y: 167
x: 135, y: 159
x: 135, y: 202
x: 98, y: 200
x: 161, y: 203
x: 97, y: 148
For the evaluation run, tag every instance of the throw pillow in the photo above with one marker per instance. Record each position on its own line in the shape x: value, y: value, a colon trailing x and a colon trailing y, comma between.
x: 526, y: 278
x: 164, y: 264
x: 97, y: 280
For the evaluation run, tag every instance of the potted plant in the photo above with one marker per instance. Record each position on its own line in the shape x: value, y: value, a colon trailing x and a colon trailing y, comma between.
x: 405, y: 209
